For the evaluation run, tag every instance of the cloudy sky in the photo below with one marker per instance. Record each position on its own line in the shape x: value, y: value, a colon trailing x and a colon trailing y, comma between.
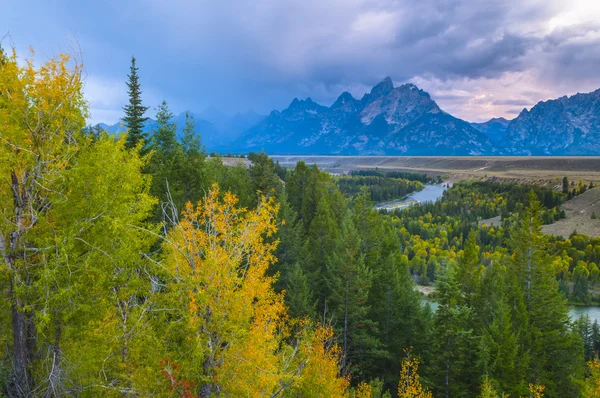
x: 477, y: 58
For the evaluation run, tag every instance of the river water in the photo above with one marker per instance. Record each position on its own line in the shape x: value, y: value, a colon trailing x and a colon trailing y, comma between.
x: 593, y: 311
x: 430, y: 193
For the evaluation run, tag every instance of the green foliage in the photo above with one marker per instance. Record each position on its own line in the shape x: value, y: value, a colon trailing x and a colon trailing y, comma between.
x: 263, y: 178
x: 166, y: 166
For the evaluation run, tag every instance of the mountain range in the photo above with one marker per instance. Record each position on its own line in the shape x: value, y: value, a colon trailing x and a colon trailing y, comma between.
x: 388, y: 120
x: 402, y: 120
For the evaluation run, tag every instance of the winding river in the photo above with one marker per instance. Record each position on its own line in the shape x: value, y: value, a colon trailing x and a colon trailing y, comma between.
x: 430, y: 193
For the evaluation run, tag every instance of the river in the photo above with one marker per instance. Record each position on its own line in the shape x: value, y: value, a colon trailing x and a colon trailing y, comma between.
x: 430, y: 193
x: 593, y: 311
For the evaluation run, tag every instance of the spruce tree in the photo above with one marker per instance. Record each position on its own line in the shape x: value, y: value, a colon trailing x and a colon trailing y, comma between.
x: 295, y: 186
x: 350, y: 281
x: 565, y: 185
x: 454, y: 358
x: 298, y: 294
x: 193, y: 172
x: 540, y: 310
x: 499, y: 348
x: 468, y: 270
x: 166, y: 166
x: 290, y: 247
x: 369, y: 226
x: 262, y: 174
x: 396, y: 307
x: 134, y: 111
x: 322, y: 237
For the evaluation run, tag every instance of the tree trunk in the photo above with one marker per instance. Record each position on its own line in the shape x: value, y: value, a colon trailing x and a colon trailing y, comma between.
x: 387, y: 330
x: 447, y: 376
x: 345, y: 359
x: 22, y: 383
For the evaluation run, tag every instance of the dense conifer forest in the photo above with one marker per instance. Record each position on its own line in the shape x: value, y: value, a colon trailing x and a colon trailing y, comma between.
x: 140, y: 266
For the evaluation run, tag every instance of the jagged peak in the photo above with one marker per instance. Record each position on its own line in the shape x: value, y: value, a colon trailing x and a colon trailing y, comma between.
x: 343, y: 99
x: 381, y: 89
x: 410, y: 86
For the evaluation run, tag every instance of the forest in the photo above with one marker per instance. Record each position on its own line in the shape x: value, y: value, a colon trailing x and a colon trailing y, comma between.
x: 137, y: 265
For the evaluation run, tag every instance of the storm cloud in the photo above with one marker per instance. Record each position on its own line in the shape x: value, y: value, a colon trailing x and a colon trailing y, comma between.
x: 477, y: 58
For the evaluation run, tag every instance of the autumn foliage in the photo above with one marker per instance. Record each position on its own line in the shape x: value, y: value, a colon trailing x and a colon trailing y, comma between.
x: 230, y: 319
x: 409, y: 385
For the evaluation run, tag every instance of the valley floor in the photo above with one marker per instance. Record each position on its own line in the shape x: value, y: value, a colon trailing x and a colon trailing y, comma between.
x: 510, y: 168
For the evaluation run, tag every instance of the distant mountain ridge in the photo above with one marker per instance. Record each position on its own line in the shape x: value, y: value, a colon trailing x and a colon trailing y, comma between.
x: 495, y: 129
x: 563, y: 126
x: 401, y: 120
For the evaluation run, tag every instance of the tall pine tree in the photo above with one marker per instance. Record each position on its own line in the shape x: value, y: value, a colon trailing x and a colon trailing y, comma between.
x: 350, y: 281
x: 134, y: 111
x: 193, y: 172
x: 166, y: 166
x: 540, y: 310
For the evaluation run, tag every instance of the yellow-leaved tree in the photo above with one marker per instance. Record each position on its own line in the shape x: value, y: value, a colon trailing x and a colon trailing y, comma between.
x: 409, y: 385
x: 228, y: 332
x: 72, y: 239
x: 41, y: 111
x: 592, y: 384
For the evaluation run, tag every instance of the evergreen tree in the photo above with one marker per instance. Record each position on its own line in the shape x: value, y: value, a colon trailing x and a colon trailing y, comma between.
x: 454, y: 362
x: 583, y: 326
x: 290, y: 235
x: 296, y: 185
x: 350, y: 281
x: 166, y: 166
x: 262, y: 174
x: 322, y: 237
x: 298, y: 294
x: 542, y: 318
x: 468, y: 270
x: 499, y: 349
x: 193, y: 173
x: 369, y: 226
x: 134, y: 111
x: 396, y: 308
x: 565, y: 185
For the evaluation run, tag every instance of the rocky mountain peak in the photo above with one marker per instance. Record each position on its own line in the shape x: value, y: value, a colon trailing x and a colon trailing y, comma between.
x: 381, y: 89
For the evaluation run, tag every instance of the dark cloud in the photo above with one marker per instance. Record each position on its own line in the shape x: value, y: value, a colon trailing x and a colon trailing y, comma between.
x: 238, y: 54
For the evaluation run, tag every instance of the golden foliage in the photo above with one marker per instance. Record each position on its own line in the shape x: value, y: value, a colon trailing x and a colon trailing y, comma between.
x: 363, y: 390
x: 593, y: 380
x: 536, y: 390
x: 409, y: 385
x: 236, y: 325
